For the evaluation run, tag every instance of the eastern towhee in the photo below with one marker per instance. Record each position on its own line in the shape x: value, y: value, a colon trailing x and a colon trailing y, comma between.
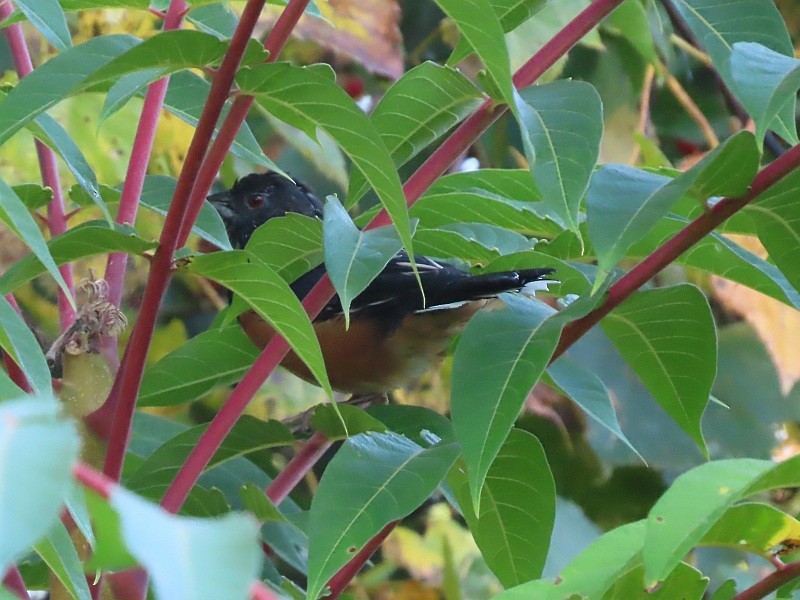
x: 395, y: 334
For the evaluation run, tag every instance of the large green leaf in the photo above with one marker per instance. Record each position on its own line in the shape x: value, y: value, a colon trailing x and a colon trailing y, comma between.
x: 392, y: 477
x: 592, y: 572
x: 667, y: 335
x: 480, y: 26
x: 202, y: 559
x: 511, y: 14
x: 270, y: 296
x: 518, y: 508
x: 213, y: 358
x: 777, y: 219
x: 353, y: 258
x: 48, y: 17
x: 698, y: 499
x: 476, y: 243
x: 58, y: 551
x: 623, y: 204
x: 61, y: 76
x: 15, y: 215
x: 766, y: 82
x: 292, y: 244
x: 18, y: 341
x: 37, y: 451
x: 685, y: 582
x: 719, y: 25
x: 498, y: 360
x: 86, y: 239
x: 561, y: 125
x: 308, y: 98
x: 754, y: 527
x: 421, y: 106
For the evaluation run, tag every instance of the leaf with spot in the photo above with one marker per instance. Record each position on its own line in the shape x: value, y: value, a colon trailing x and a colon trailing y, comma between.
x: 353, y: 258
x: 561, y: 125
x: 415, y: 111
x: 499, y: 359
x: 517, y: 512
x: 374, y: 479
x: 271, y: 298
x: 308, y: 98
x: 668, y: 337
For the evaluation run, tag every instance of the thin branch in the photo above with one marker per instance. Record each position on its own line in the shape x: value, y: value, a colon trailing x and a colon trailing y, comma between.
x: 345, y: 575
x: 14, y: 582
x: 689, y: 105
x: 644, y: 110
x: 129, y: 377
x: 56, y: 220
x: 771, y: 582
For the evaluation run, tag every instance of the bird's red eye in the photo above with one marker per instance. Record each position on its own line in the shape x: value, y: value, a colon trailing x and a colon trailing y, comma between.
x: 255, y: 201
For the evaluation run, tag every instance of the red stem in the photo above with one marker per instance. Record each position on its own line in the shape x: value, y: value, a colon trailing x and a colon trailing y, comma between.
x: 137, y: 167
x: 345, y: 575
x: 129, y: 377
x: 771, y: 582
x: 56, y: 221
x: 94, y: 480
x: 297, y: 468
x: 14, y: 582
x: 258, y: 591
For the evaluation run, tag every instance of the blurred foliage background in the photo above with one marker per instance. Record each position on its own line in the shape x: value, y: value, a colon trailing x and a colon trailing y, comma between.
x: 648, y: 121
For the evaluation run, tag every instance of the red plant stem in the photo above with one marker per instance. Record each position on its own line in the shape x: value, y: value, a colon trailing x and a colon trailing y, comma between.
x: 345, y: 575
x: 56, y: 221
x: 96, y: 481
x: 234, y: 119
x: 140, y: 156
x: 129, y: 377
x: 14, y: 582
x: 771, y: 582
x: 296, y: 469
x: 258, y: 591
x: 677, y: 245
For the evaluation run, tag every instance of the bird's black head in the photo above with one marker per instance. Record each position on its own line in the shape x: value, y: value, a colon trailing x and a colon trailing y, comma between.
x: 257, y: 198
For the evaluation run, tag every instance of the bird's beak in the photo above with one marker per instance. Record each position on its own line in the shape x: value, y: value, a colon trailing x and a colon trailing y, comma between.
x: 222, y: 203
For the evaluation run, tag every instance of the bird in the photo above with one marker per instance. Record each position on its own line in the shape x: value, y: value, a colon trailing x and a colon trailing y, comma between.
x: 396, y: 333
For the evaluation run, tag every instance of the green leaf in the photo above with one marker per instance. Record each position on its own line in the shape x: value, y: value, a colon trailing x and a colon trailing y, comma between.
x: 86, y: 239
x: 343, y: 421
x: 213, y: 358
x: 292, y: 244
x: 480, y: 26
x: 205, y: 559
x: 561, y: 125
x: 216, y: 19
x: 511, y: 14
x: 394, y: 477
x: 125, y: 88
x: 685, y: 582
x: 415, y: 111
x: 17, y: 218
x: 257, y: 502
x: 692, y: 505
x: 766, y: 82
x: 499, y: 359
x: 48, y: 17
x: 162, y: 54
x: 249, y: 435
x: 623, y: 204
x: 271, y: 298
x: 308, y: 98
x: 109, y: 551
x: 668, y: 337
x: 630, y: 21
x: 37, y: 451
x: 61, y: 76
x: 8, y: 389
x: 589, y: 392
x: 718, y: 26
x: 592, y: 572
x: 776, y: 216
x: 726, y: 591
x: 18, y: 341
x: 33, y: 195
x: 753, y: 527
x: 476, y: 243
x: 51, y: 133
x: 353, y: 258
x: 478, y: 206
x: 517, y: 512
x: 58, y: 551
